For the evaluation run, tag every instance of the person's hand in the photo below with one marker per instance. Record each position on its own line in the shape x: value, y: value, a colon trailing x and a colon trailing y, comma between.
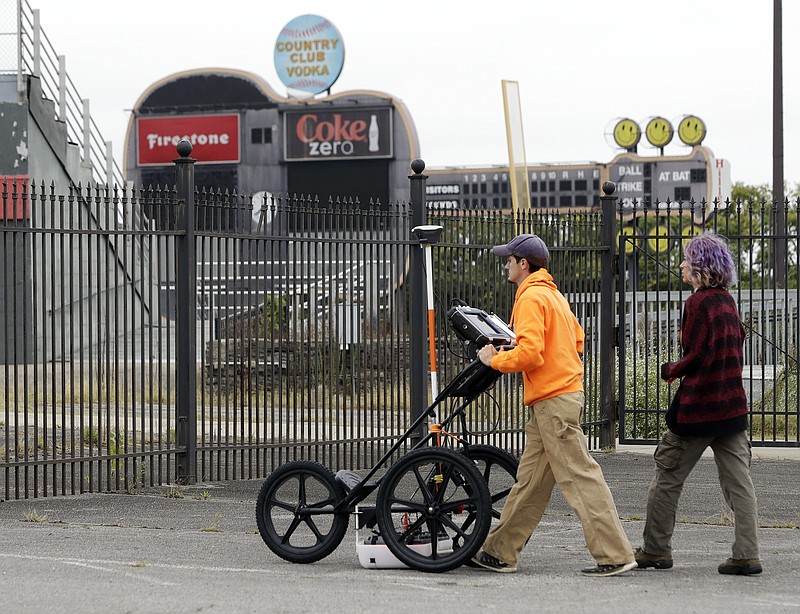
x: 486, y: 353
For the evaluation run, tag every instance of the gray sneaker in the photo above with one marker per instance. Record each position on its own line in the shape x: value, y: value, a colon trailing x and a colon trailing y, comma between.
x: 609, y: 570
x: 492, y: 563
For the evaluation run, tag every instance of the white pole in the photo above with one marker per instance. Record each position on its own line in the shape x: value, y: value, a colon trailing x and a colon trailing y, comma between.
x: 431, y: 325
x: 428, y: 235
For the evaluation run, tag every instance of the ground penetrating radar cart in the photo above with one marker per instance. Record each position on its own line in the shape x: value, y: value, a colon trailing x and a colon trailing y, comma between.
x: 434, y: 504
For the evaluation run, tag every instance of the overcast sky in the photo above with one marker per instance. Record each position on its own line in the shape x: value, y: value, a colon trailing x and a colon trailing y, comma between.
x: 581, y: 65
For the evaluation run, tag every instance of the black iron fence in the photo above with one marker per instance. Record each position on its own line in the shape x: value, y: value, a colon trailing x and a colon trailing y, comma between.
x: 651, y: 295
x: 229, y: 334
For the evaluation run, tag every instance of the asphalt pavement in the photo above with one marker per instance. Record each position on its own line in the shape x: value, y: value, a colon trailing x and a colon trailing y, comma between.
x: 196, y: 549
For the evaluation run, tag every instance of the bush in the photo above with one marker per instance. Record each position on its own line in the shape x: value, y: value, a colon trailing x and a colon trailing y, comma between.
x: 647, y: 396
x: 774, y: 416
x: 272, y: 316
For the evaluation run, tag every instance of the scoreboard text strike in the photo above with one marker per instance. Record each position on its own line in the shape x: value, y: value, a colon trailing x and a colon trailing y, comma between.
x: 696, y: 177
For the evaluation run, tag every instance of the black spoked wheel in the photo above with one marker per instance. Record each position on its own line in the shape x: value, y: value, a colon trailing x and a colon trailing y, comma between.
x: 423, y: 504
x: 498, y: 468
x: 295, y: 512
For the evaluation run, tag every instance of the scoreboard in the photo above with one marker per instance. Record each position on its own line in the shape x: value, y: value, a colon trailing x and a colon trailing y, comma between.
x: 669, y: 180
x: 551, y: 186
x: 640, y: 181
x: 565, y: 186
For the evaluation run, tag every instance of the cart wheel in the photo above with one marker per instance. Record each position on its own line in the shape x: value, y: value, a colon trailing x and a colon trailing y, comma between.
x: 295, y: 512
x: 423, y: 505
x: 498, y: 468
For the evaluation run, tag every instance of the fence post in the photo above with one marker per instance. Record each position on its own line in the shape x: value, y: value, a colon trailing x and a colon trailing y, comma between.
x: 417, y: 315
x: 608, y: 341
x: 185, y: 319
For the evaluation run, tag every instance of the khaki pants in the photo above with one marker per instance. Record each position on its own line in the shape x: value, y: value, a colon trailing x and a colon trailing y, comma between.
x: 556, y: 453
x: 675, y: 458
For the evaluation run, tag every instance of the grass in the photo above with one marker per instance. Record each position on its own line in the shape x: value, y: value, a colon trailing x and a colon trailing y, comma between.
x: 769, y: 427
x: 33, y: 516
x: 770, y: 418
x: 77, y: 395
x: 726, y: 520
x: 139, y: 478
x: 245, y: 393
x: 773, y: 418
x: 214, y: 527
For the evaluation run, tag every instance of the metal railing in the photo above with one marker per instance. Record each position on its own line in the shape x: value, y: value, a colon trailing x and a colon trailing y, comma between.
x: 651, y: 299
x: 121, y: 371
x: 236, y: 347
x: 38, y: 58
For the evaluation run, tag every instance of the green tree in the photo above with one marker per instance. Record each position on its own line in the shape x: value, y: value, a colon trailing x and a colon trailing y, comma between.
x: 464, y: 267
x: 748, y: 222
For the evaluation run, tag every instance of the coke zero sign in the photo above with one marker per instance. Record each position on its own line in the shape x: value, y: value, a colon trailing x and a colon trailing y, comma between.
x: 338, y: 134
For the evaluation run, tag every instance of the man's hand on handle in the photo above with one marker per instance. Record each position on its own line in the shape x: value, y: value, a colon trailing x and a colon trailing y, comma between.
x: 488, y: 351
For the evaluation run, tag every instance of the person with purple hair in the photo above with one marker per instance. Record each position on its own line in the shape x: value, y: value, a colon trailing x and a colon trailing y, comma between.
x: 709, y: 409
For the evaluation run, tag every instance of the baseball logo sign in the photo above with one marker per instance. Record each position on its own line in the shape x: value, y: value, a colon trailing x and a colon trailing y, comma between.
x: 309, y: 54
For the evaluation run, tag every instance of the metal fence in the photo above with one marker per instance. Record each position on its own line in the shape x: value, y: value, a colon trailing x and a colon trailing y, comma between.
x: 651, y: 296
x: 222, y: 336
x: 295, y: 339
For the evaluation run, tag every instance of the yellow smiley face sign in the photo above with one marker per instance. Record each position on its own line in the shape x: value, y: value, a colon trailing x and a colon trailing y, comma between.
x: 629, y: 232
x: 658, y: 239
x: 658, y: 132
x: 692, y: 130
x: 627, y: 133
x: 689, y: 232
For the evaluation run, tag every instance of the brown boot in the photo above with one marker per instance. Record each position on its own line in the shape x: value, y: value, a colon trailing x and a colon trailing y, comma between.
x: 740, y: 567
x: 657, y: 561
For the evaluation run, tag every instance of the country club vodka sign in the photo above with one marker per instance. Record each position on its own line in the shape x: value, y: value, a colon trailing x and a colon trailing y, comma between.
x: 309, y: 55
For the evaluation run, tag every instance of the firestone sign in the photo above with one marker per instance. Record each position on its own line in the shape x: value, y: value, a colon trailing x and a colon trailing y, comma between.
x: 336, y: 135
x: 309, y: 54
x: 214, y: 138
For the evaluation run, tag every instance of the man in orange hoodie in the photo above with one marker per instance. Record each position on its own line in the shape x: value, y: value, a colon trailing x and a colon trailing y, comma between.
x: 548, y: 347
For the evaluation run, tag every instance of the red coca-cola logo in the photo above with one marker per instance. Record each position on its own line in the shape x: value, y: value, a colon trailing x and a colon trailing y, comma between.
x: 322, y: 134
x: 310, y: 128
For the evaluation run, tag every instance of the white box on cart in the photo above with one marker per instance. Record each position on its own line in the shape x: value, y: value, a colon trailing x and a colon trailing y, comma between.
x: 378, y: 556
x: 373, y: 553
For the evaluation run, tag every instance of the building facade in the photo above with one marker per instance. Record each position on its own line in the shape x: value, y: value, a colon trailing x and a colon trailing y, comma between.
x: 247, y: 137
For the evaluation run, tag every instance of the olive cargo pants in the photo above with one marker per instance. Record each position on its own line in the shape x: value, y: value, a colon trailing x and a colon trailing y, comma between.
x: 675, y: 458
